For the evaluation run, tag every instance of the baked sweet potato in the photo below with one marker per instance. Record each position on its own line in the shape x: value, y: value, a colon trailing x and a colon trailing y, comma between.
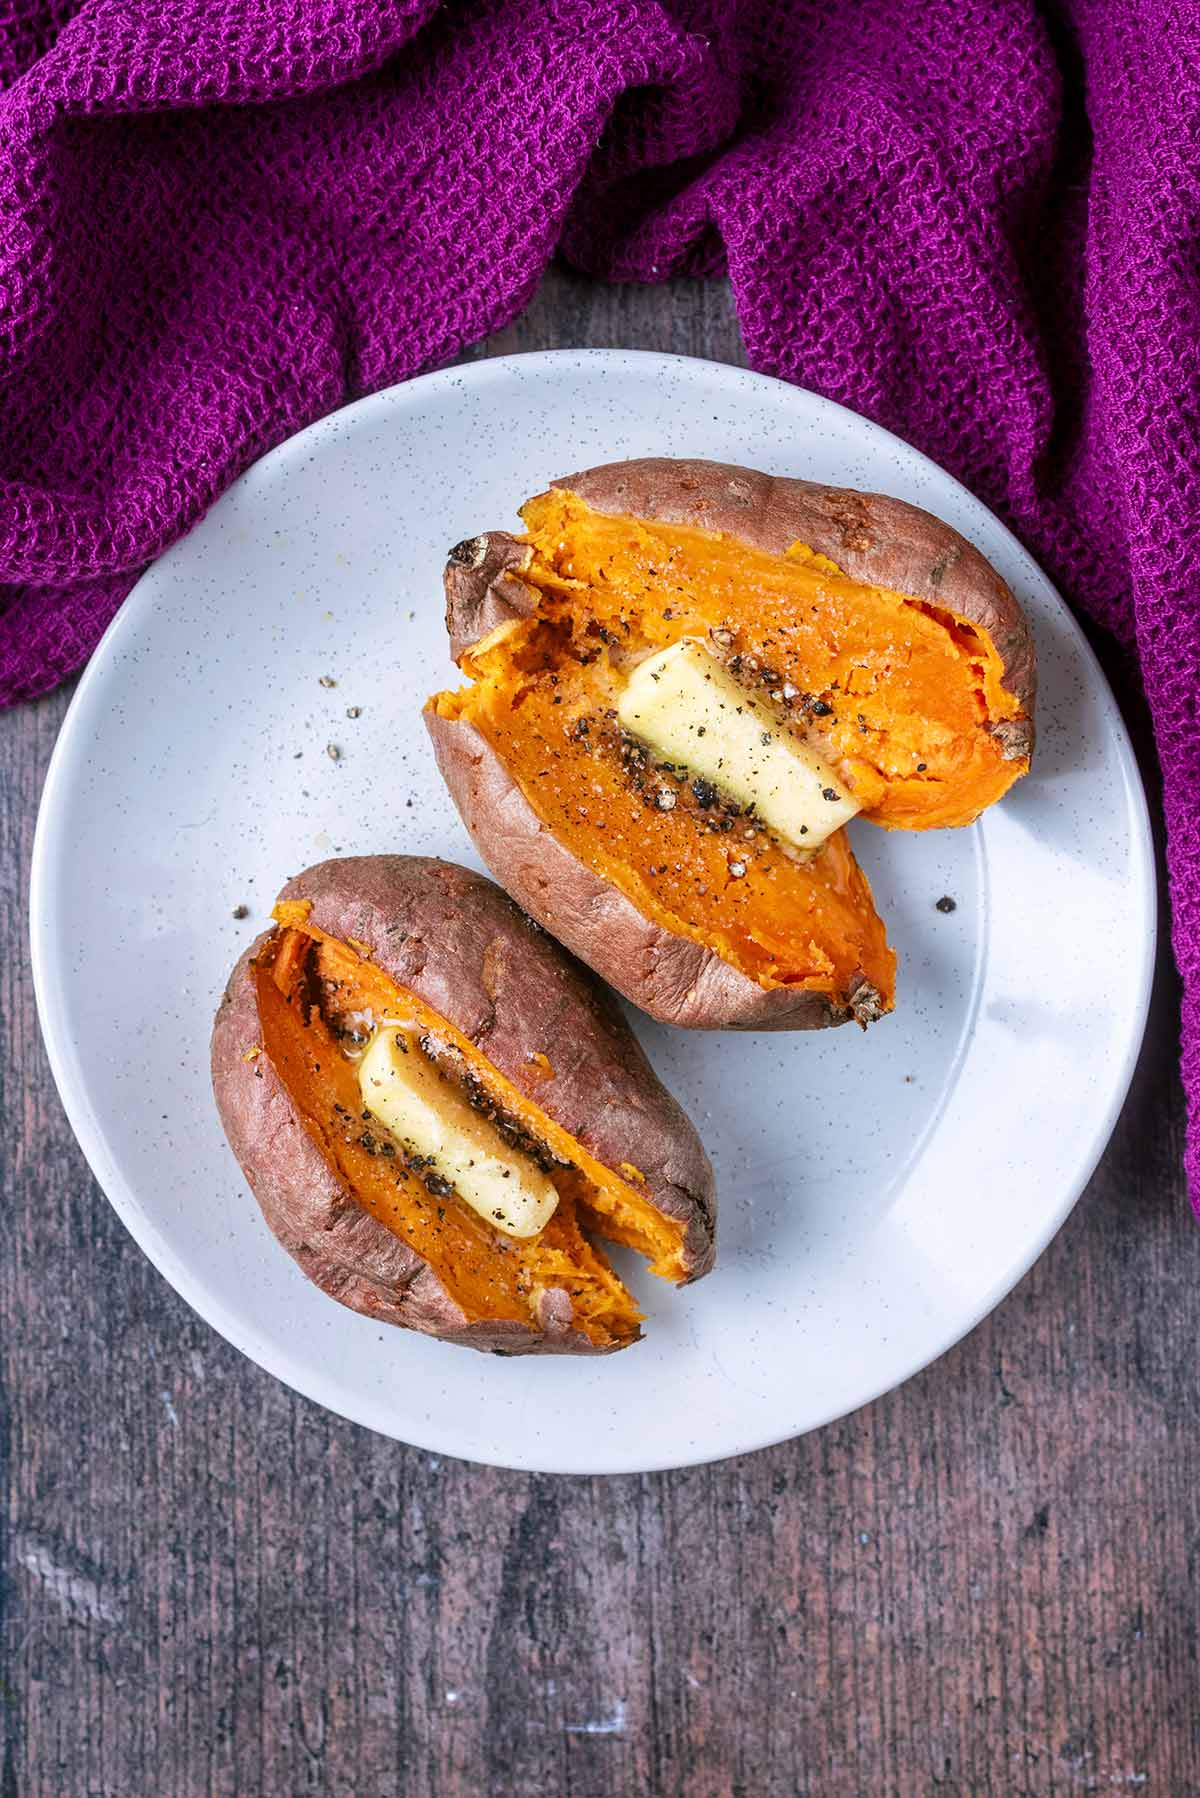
x: 816, y: 648
x: 518, y: 1053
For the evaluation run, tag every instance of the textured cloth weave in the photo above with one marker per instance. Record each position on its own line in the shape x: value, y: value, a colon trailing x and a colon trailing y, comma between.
x: 976, y: 221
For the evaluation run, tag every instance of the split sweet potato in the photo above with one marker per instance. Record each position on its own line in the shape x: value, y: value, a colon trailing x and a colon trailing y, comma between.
x: 864, y: 634
x: 511, y: 1032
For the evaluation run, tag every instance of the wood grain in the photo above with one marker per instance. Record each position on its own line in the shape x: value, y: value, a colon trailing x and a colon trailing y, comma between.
x: 984, y: 1584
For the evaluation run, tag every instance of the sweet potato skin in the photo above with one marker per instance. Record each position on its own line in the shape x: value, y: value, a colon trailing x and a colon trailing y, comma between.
x: 454, y: 939
x: 483, y: 587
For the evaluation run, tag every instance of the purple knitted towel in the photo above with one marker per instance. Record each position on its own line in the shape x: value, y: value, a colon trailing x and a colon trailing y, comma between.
x: 974, y: 220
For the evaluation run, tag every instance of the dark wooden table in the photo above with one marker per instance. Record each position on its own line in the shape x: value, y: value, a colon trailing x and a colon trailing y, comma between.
x: 986, y: 1583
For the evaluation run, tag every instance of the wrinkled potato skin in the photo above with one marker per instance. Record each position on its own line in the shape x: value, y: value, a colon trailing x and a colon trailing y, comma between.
x: 460, y: 944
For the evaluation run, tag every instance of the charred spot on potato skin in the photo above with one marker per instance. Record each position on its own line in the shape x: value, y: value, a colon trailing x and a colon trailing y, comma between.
x: 867, y: 1004
x: 470, y: 553
x: 1015, y: 737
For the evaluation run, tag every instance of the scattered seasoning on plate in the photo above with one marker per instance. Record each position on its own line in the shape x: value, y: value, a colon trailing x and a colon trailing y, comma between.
x: 946, y: 904
x: 327, y: 680
x: 354, y: 711
x: 241, y: 911
x: 333, y: 752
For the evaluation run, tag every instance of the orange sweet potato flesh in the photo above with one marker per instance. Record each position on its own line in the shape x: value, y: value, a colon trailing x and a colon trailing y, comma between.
x: 309, y: 988
x: 909, y: 684
x: 893, y: 644
x: 544, y: 697
x: 900, y: 695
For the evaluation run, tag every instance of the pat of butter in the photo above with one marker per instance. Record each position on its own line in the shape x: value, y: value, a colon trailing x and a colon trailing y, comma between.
x: 691, y: 711
x: 403, y: 1089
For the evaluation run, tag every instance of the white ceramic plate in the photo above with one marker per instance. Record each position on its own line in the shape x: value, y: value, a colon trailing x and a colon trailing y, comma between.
x: 880, y: 1192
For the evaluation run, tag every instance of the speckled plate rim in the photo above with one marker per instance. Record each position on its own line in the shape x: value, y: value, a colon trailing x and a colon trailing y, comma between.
x: 206, y: 1299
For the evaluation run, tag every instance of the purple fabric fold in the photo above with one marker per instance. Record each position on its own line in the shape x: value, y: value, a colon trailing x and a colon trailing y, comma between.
x: 977, y: 221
